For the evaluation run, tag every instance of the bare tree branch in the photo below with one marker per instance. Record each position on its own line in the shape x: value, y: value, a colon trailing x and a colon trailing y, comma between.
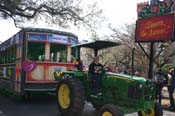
x: 61, y: 12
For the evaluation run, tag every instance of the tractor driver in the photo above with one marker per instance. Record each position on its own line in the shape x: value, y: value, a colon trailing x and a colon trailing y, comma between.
x: 96, y: 70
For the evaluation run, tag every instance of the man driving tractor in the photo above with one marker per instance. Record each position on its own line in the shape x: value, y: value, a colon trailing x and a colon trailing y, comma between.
x: 96, y: 70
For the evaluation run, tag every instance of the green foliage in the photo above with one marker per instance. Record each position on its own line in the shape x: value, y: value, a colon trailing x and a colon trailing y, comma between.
x: 166, y: 68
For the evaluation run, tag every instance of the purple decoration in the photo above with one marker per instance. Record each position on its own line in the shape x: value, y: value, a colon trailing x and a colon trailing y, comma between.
x: 28, y: 66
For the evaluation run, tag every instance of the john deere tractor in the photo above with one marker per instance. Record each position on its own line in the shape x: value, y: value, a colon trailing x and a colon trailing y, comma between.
x: 119, y: 94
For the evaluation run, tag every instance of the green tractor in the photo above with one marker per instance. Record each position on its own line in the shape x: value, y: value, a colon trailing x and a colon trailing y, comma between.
x: 120, y: 94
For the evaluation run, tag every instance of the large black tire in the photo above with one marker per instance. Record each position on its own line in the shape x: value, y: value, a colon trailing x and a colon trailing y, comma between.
x: 26, y: 96
x: 96, y: 106
x: 156, y: 111
x: 70, y: 97
x: 110, y: 110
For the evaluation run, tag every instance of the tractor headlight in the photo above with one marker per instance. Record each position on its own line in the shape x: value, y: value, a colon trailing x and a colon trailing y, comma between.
x: 140, y: 86
x: 152, y: 88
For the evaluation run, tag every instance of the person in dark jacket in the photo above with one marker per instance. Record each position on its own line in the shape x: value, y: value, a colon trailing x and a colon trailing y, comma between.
x: 161, y: 81
x: 171, y: 87
x: 96, y: 70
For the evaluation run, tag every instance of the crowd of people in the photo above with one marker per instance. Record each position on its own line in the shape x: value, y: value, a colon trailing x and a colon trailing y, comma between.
x: 165, y: 80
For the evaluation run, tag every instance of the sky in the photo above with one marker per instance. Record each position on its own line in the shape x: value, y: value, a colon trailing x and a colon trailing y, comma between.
x: 117, y: 12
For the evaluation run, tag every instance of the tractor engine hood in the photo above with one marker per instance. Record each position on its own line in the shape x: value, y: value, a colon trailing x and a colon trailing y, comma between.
x: 124, y: 76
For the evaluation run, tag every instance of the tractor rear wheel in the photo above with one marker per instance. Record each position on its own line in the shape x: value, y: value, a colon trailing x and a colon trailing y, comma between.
x: 156, y: 111
x: 110, y: 110
x: 70, y: 97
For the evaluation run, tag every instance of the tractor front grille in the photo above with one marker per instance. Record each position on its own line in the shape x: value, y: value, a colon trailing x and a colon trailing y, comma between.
x: 149, y: 91
x: 134, y: 92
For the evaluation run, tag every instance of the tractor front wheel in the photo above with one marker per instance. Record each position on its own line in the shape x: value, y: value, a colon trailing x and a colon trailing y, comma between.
x: 110, y: 110
x: 156, y: 111
x: 70, y: 97
x: 97, y: 107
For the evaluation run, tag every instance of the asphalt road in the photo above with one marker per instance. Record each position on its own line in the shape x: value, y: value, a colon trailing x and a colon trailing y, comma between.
x: 42, y: 106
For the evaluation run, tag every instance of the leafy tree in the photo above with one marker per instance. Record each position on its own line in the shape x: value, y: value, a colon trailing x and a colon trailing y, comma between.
x: 123, y: 54
x: 61, y: 12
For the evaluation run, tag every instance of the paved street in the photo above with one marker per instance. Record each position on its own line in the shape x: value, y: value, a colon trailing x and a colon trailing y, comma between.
x: 42, y: 106
x: 89, y: 111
